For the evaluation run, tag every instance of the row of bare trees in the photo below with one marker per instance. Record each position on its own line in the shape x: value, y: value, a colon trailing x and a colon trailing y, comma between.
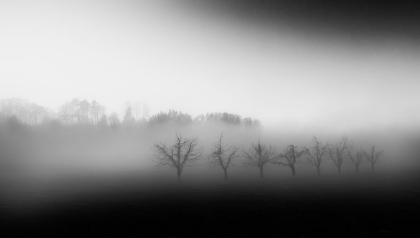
x: 186, y: 151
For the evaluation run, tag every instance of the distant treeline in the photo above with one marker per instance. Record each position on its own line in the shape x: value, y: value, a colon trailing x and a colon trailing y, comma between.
x: 83, y: 112
x: 184, y: 119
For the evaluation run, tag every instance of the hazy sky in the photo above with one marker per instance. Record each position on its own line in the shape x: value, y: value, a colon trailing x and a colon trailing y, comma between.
x: 189, y: 56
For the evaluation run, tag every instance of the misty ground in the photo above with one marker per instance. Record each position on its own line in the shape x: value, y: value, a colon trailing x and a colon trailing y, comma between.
x: 379, y: 204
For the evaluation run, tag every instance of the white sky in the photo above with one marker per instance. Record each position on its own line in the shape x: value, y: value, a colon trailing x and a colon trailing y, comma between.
x: 115, y: 51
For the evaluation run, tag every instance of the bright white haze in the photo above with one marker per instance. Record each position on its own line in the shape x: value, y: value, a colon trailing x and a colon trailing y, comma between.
x: 173, y: 58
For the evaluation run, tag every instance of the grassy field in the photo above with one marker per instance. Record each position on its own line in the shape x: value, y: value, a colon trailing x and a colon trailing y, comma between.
x: 128, y: 204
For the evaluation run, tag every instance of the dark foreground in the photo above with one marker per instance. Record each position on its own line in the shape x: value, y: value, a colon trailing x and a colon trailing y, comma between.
x: 359, y: 205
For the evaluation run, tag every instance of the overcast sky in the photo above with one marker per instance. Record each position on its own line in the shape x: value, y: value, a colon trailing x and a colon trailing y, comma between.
x: 175, y: 55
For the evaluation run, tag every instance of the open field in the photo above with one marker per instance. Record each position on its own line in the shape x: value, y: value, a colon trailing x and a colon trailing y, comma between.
x: 351, y: 205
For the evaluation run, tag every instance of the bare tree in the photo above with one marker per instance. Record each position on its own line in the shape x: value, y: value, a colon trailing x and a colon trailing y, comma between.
x: 290, y: 157
x: 315, y: 153
x: 66, y: 113
x: 84, y: 108
x: 128, y: 117
x: 182, y: 153
x: 338, y: 153
x: 146, y: 112
x: 94, y: 110
x: 75, y: 110
x: 357, y: 158
x: 113, y: 119
x: 103, y: 121
x: 373, y: 157
x: 136, y: 110
x: 259, y: 155
x: 37, y: 113
x: 222, y: 155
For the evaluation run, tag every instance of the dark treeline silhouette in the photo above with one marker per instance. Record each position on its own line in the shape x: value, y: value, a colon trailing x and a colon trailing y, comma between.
x: 186, y: 119
x: 228, y: 118
x: 172, y: 116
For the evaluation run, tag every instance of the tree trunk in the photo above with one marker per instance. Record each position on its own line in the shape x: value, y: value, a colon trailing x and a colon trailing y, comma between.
x: 372, y: 166
x: 261, y: 172
x: 318, y: 169
x: 292, y: 167
x: 225, y: 171
x: 178, y: 172
x: 339, y: 169
x: 357, y: 168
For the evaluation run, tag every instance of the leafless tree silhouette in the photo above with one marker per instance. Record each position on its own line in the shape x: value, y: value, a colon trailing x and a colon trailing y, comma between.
x: 258, y: 155
x: 290, y: 157
x: 182, y: 153
x: 373, y: 157
x: 357, y: 158
x: 315, y: 154
x: 338, y: 153
x: 113, y: 119
x: 222, y: 155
